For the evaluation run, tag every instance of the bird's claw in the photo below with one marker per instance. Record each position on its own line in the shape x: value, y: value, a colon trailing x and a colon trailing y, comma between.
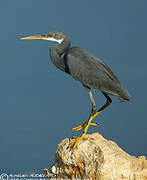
x: 76, y: 141
x: 82, y: 126
x: 94, y: 124
x: 85, y: 126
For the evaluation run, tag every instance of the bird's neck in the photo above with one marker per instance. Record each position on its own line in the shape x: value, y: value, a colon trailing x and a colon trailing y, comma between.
x: 56, y: 52
x: 63, y: 47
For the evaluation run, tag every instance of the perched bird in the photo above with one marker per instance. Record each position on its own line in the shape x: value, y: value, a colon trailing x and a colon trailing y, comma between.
x: 86, y: 68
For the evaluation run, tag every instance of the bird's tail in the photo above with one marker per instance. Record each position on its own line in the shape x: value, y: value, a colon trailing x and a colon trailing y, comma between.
x: 123, y: 94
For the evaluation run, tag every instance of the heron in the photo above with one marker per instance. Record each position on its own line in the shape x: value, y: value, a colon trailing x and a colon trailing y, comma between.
x: 89, y: 70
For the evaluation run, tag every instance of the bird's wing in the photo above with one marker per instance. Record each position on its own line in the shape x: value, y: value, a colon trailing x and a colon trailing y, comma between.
x: 88, y: 69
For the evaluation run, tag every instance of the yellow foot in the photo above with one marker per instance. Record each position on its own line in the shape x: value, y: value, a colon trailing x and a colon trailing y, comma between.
x: 82, y: 126
x: 76, y: 141
x: 85, y: 126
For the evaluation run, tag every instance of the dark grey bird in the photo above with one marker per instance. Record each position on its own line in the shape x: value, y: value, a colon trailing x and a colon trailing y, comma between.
x: 86, y: 68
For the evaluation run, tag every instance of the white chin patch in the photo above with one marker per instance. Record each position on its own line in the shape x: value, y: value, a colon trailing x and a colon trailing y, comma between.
x: 52, y: 39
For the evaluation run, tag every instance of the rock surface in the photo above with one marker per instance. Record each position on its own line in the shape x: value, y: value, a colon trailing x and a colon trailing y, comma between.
x: 97, y: 159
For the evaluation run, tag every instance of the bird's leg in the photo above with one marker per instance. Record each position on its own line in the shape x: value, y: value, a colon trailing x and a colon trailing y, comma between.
x: 109, y: 100
x: 78, y: 139
x: 91, y: 114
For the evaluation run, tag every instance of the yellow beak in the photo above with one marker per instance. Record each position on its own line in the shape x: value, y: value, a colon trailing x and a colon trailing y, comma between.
x: 34, y: 37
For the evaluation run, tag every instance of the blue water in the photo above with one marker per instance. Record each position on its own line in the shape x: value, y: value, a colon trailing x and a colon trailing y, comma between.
x: 39, y: 104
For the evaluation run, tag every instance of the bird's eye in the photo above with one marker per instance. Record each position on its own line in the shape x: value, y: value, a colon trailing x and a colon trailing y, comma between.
x: 51, y: 35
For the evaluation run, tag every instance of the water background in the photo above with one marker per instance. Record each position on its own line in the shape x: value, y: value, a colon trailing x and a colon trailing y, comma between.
x: 39, y: 103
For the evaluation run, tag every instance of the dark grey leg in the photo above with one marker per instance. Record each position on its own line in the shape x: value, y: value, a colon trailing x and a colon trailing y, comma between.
x: 93, y: 110
x: 109, y: 100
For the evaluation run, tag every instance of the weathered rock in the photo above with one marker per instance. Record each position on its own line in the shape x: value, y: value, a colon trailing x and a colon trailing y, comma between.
x: 97, y: 159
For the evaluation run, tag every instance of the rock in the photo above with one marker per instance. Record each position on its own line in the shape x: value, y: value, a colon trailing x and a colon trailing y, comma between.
x: 97, y: 159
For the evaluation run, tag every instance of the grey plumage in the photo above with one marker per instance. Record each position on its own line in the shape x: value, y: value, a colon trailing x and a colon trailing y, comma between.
x: 93, y: 73
x: 86, y: 68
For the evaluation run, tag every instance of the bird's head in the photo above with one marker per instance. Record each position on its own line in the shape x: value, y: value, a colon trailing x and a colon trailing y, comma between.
x: 56, y: 36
